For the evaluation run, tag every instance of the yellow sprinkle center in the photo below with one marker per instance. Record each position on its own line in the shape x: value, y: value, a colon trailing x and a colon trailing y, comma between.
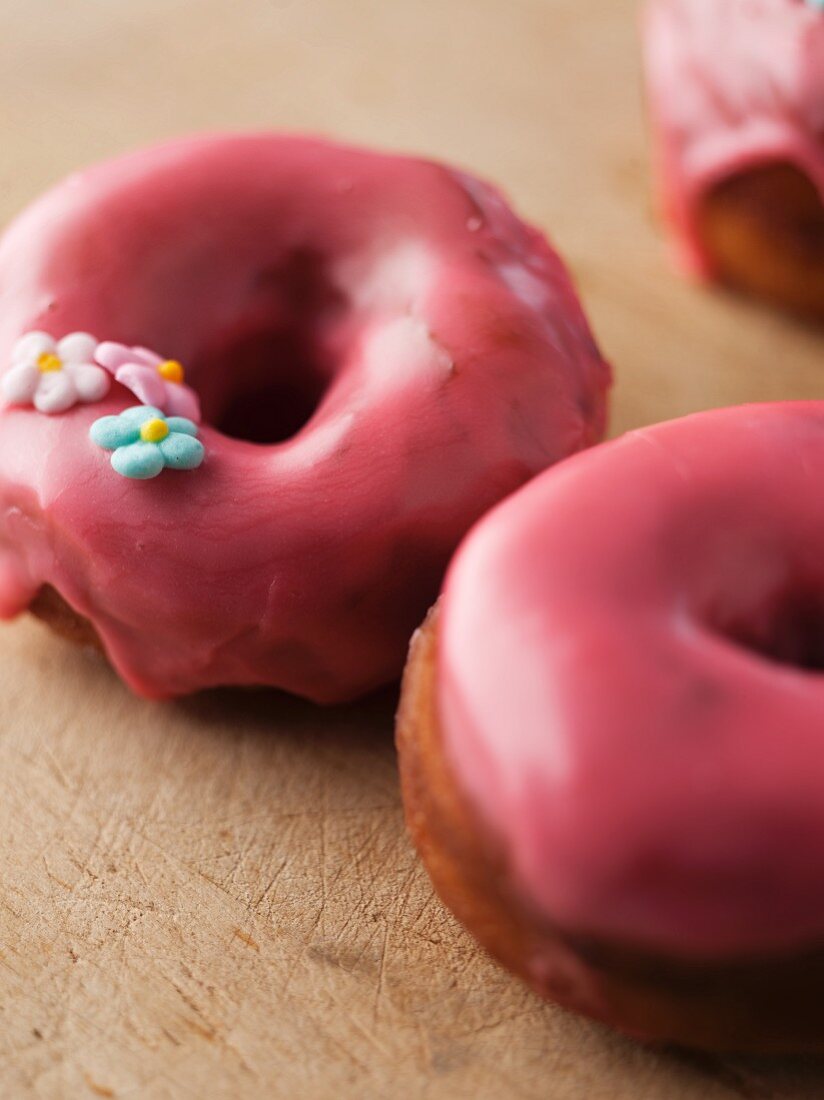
x: 171, y: 370
x: 154, y: 431
x: 49, y: 362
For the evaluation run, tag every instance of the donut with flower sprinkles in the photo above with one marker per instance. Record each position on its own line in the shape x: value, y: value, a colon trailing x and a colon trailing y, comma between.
x: 312, y: 368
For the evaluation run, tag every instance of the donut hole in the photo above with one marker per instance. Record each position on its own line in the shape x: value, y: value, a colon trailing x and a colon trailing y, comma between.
x: 787, y: 629
x: 764, y: 230
x: 263, y: 377
x: 277, y: 385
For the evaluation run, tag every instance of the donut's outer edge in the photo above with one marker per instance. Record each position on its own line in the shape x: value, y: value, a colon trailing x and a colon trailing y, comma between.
x: 771, y: 1005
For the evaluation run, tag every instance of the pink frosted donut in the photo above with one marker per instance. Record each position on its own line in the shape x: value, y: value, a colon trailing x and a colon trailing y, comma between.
x: 611, y: 736
x: 382, y: 350
x: 737, y: 106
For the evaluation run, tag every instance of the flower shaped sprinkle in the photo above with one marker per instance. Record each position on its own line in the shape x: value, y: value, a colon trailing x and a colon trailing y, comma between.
x: 151, y: 378
x: 53, y: 375
x: 145, y: 442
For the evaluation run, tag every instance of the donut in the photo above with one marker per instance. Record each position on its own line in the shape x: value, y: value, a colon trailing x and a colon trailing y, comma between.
x: 610, y: 731
x: 256, y: 390
x: 736, y: 90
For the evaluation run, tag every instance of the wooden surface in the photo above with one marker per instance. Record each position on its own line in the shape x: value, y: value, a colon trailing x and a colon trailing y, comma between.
x: 217, y: 898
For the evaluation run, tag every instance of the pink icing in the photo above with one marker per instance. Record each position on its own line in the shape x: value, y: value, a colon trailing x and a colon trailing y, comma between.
x: 438, y: 337
x: 732, y: 83
x: 604, y: 696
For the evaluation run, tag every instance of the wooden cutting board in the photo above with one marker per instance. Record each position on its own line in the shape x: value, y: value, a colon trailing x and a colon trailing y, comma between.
x: 216, y: 898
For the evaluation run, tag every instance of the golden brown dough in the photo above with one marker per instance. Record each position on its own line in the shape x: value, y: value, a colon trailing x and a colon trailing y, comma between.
x: 53, y: 610
x: 764, y: 231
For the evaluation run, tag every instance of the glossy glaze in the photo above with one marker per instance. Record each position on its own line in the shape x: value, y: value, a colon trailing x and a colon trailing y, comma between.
x: 438, y: 337
x: 620, y: 693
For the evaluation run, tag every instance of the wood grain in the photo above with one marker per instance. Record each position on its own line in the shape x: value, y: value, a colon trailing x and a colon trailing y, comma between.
x: 217, y: 898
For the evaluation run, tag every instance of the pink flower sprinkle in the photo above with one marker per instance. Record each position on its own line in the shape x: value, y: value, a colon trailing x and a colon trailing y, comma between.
x: 150, y: 378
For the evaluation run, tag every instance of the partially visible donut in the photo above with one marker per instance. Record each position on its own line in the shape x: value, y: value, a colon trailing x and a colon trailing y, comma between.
x: 736, y: 91
x: 382, y: 350
x: 610, y: 731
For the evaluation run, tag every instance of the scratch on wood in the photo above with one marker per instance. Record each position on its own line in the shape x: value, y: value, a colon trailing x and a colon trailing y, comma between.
x: 54, y: 766
x: 84, y: 867
x: 206, y: 1029
x: 98, y: 1089
x: 191, y: 868
x: 270, y: 886
x: 139, y: 869
x: 206, y: 1032
x: 244, y: 937
x: 379, y: 986
x: 54, y: 878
